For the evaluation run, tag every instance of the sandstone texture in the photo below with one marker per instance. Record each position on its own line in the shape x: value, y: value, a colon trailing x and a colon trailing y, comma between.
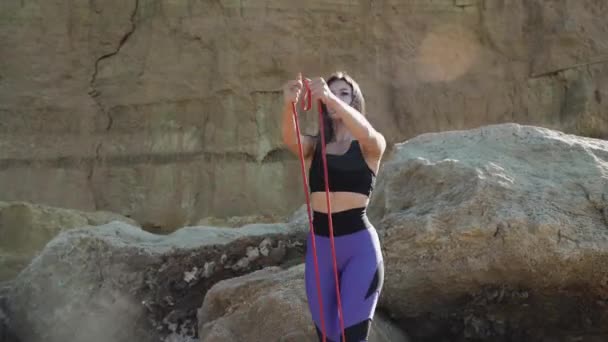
x: 168, y: 112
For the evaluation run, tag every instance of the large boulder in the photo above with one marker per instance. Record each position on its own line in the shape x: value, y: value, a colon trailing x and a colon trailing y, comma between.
x: 269, y: 305
x: 25, y: 228
x: 169, y: 111
x: 498, y: 233
x: 118, y: 283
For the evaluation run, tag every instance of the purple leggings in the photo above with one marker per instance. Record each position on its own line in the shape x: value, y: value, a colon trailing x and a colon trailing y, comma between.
x: 360, y: 274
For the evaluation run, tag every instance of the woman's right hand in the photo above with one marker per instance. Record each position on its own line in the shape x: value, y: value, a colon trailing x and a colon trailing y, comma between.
x: 292, y: 90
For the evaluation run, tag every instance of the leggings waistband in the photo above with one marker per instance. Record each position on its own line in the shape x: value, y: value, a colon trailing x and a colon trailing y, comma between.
x: 344, y: 222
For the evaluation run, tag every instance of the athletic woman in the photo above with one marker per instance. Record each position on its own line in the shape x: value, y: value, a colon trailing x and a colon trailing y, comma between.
x: 354, y: 149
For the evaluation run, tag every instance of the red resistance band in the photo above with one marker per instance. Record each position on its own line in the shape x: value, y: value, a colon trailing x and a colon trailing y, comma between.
x: 305, y: 107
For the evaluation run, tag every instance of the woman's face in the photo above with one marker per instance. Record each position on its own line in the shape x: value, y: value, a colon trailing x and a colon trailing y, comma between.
x: 343, y: 91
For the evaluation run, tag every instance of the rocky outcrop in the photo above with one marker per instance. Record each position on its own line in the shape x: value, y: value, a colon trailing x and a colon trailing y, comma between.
x: 492, y: 234
x: 169, y: 112
x: 117, y: 282
x: 496, y: 234
x: 269, y: 305
x: 25, y: 228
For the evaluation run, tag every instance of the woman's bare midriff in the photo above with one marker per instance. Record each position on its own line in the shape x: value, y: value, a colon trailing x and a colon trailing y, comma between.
x: 339, y: 201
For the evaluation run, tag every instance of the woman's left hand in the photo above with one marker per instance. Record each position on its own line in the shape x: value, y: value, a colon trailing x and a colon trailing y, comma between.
x: 319, y: 89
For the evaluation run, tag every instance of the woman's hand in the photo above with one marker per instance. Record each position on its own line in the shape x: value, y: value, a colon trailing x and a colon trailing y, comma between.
x: 292, y: 90
x: 319, y: 90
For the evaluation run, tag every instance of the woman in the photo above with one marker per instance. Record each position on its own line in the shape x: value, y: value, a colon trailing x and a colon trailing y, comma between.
x: 354, y: 150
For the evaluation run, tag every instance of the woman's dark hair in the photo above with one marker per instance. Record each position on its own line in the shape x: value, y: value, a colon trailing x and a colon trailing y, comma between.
x: 358, y: 102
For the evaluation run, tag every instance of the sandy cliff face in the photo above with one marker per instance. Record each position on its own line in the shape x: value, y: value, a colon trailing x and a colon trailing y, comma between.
x: 169, y: 111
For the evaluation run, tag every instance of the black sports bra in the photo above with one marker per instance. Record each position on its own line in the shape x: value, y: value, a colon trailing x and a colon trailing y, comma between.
x: 347, y: 172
